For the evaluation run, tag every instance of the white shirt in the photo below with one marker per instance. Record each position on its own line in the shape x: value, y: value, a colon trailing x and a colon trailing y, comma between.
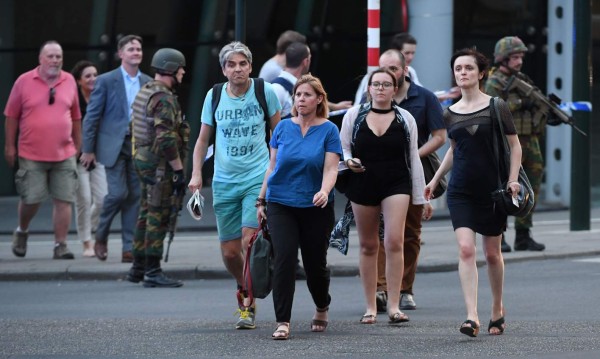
x: 284, y: 97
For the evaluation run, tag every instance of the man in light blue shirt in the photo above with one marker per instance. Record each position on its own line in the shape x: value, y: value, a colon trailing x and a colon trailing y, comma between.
x: 240, y: 126
x: 107, y: 139
x: 132, y: 87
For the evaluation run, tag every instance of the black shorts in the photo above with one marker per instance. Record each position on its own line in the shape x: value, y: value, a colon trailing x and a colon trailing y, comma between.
x: 377, y: 183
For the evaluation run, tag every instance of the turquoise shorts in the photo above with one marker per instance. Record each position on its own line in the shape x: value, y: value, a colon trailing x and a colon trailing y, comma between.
x: 234, y: 207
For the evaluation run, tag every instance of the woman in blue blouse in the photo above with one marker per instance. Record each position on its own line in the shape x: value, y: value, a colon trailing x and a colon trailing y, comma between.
x: 298, y: 194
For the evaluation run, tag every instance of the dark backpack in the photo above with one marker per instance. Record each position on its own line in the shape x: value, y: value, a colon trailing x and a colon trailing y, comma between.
x: 259, y: 93
x: 288, y: 86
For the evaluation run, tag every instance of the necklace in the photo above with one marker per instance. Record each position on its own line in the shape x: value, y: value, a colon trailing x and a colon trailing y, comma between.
x: 241, y: 97
x: 376, y: 110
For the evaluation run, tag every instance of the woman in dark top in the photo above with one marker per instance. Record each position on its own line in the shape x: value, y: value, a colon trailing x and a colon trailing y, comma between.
x: 380, y: 146
x: 474, y: 178
x: 92, y: 181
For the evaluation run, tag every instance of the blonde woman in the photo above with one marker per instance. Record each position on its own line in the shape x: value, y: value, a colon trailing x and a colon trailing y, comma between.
x: 298, y: 194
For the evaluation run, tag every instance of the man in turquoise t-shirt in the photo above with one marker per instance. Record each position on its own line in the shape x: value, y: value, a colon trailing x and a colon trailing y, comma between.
x: 241, y: 159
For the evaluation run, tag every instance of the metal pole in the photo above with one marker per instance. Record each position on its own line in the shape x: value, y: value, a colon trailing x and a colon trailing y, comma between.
x: 373, y: 30
x: 581, y: 145
x: 240, y: 20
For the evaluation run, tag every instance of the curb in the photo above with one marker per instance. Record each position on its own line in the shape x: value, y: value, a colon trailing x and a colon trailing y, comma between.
x: 208, y: 274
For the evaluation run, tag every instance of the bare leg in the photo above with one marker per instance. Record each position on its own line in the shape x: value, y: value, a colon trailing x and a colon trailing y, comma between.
x: 26, y: 214
x: 467, y: 270
x: 233, y: 252
x: 367, y: 225
x: 495, y: 262
x: 394, y: 210
x: 62, y: 220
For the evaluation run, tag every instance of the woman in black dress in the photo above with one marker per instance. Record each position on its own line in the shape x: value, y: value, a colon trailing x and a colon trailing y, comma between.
x: 474, y: 177
x: 379, y: 141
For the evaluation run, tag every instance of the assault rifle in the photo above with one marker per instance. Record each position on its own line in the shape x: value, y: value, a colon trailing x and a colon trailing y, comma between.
x: 176, y: 205
x: 547, y: 106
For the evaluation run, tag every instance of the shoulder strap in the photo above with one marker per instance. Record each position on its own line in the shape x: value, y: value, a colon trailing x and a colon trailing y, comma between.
x: 362, y: 115
x: 287, y: 85
x: 216, y: 97
x: 259, y: 92
x: 497, y: 122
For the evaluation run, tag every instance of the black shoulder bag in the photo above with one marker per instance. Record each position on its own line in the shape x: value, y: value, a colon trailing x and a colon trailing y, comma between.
x: 503, y: 199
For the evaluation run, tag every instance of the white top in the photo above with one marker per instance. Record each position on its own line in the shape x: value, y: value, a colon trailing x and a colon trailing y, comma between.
x: 270, y: 70
x: 284, y: 97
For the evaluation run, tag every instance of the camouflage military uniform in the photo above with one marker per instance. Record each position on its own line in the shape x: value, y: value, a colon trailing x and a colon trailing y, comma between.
x: 528, y: 131
x: 169, y: 140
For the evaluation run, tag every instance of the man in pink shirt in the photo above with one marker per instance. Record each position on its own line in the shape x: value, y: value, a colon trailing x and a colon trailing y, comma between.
x: 44, y: 108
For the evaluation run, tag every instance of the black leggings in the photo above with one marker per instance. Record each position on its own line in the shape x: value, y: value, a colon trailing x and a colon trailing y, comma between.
x: 308, y: 228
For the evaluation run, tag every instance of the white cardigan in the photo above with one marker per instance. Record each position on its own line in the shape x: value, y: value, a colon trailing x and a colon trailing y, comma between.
x: 416, y: 168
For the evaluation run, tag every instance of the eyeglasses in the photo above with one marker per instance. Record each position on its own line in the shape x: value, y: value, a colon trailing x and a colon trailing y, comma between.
x: 386, y: 85
x: 52, y: 93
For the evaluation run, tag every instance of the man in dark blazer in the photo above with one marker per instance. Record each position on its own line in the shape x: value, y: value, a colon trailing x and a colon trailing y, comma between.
x: 107, y: 139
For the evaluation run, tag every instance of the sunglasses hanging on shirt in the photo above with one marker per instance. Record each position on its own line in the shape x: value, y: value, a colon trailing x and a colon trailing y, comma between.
x: 52, y: 93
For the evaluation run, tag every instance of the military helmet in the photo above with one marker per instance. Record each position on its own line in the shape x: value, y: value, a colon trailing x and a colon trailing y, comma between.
x: 507, y: 46
x: 168, y: 61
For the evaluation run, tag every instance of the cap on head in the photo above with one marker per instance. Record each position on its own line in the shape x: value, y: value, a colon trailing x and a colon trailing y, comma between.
x: 167, y: 61
x: 507, y: 46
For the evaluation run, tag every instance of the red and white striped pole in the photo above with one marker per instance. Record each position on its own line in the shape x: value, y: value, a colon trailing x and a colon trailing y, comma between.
x: 373, y: 15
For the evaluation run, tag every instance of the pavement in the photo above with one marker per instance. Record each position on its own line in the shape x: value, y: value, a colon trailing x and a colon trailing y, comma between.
x: 195, y: 252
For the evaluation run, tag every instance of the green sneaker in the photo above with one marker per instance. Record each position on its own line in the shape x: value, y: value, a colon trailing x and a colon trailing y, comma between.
x: 246, y: 319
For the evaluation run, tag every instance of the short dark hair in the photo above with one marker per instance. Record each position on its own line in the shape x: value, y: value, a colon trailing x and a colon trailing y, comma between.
x: 480, y: 59
x: 80, y: 66
x: 286, y: 38
x: 400, y: 39
x: 127, y: 39
x: 295, y: 54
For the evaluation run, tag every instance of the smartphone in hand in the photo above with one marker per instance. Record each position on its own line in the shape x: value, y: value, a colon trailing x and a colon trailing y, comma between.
x: 356, y: 163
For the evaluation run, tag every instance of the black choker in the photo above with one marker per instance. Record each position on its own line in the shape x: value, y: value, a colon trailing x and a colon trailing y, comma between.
x: 376, y: 110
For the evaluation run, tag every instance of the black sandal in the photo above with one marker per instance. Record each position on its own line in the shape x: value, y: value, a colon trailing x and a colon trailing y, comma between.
x: 318, y: 322
x: 471, y: 331
x: 498, y: 324
x: 283, y: 334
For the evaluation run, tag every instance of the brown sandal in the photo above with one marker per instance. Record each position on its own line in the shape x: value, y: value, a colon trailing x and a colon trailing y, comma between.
x: 368, y: 319
x: 318, y: 322
x: 281, y: 334
x: 398, y: 317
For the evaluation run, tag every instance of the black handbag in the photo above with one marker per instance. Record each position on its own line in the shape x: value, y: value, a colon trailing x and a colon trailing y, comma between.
x: 503, y: 199
x: 431, y: 163
x: 258, y: 266
x: 343, y: 179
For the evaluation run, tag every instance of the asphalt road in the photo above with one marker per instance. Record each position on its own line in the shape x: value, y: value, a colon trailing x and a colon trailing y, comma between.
x: 552, y: 312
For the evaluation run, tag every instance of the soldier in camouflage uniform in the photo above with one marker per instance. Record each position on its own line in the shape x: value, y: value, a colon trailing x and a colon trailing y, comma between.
x: 160, y: 137
x: 508, y: 57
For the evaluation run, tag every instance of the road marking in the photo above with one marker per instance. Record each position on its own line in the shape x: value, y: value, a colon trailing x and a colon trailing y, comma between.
x: 588, y: 260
